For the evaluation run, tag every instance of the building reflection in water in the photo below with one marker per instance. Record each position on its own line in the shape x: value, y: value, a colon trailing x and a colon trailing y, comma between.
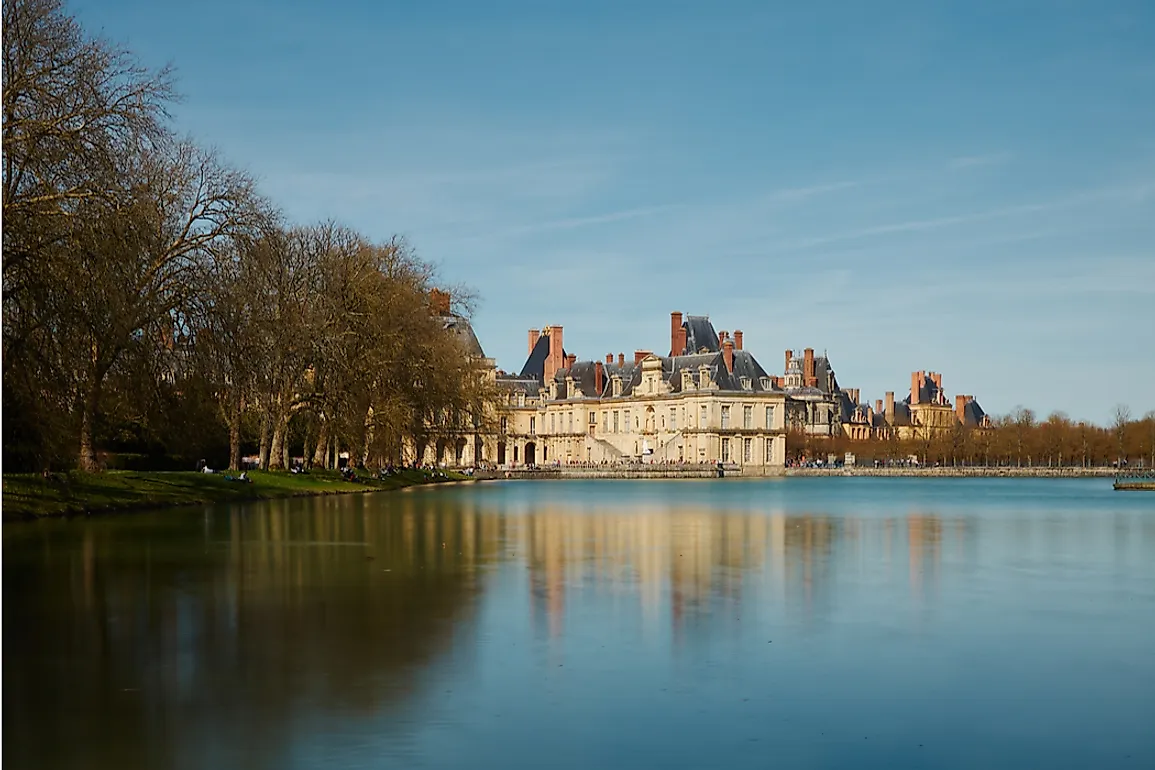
x: 682, y: 563
x: 344, y: 602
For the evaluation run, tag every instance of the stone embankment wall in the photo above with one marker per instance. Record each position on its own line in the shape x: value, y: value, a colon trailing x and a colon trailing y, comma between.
x: 617, y: 471
x: 1056, y: 473
x: 708, y: 471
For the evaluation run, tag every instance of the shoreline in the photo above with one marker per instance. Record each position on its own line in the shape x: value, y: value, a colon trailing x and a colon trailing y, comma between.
x: 960, y: 472
x: 29, y: 497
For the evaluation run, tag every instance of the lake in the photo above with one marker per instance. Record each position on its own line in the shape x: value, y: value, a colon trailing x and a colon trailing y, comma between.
x: 809, y: 623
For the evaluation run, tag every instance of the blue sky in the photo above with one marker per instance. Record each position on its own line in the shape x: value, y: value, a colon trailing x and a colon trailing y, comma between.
x: 961, y: 187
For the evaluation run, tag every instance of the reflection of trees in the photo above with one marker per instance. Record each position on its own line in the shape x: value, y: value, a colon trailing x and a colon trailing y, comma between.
x: 147, y: 643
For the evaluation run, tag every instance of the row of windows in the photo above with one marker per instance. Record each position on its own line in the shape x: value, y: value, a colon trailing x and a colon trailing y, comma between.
x: 747, y: 449
x: 622, y: 424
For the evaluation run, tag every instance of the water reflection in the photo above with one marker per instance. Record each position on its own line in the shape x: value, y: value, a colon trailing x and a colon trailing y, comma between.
x: 258, y: 636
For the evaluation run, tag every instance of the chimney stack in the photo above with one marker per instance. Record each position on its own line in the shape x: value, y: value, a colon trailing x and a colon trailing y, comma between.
x: 609, y: 359
x: 439, y: 301
x: 728, y: 355
x: 915, y: 386
x: 890, y: 406
x: 555, y: 361
x: 960, y: 406
x: 737, y: 340
x: 808, y: 366
x: 937, y: 377
x: 599, y: 379
x: 677, y: 334
x: 534, y: 334
x: 789, y: 358
x: 621, y: 360
x: 570, y: 360
x: 722, y: 335
x: 878, y: 406
x: 639, y: 355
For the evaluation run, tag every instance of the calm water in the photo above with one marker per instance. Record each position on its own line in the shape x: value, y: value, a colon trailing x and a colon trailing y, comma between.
x: 793, y: 623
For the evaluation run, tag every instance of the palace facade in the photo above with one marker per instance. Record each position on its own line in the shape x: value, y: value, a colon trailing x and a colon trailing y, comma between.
x: 707, y: 401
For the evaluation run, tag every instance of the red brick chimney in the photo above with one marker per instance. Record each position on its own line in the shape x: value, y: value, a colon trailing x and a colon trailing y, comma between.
x: 609, y: 359
x: 554, y: 362
x: 439, y: 301
x: 728, y: 355
x: 737, y: 339
x: 639, y: 355
x: 722, y: 335
x: 534, y: 335
x: 878, y: 406
x: 937, y: 377
x: 570, y: 360
x: 890, y: 406
x: 960, y: 405
x: 915, y: 386
x: 621, y: 360
x: 808, y: 366
x: 789, y: 358
x: 677, y: 334
x: 599, y: 379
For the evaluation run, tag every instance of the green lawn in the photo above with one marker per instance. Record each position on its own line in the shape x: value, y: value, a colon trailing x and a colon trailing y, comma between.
x: 28, y: 496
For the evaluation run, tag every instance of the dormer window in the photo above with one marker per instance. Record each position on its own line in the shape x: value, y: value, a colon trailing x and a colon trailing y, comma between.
x: 765, y: 383
x: 746, y: 383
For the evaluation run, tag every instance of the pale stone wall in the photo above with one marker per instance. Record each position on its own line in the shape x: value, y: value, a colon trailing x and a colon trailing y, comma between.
x: 706, y: 426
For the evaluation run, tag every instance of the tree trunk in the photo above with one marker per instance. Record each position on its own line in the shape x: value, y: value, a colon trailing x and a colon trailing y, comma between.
x: 321, y: 453
x: 277, y: 449
x: 235, y: 433
x: 87, y: 457
x: 265, y: 436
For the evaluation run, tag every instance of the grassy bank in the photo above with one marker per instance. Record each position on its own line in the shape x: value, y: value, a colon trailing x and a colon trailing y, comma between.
x: 30, y: 496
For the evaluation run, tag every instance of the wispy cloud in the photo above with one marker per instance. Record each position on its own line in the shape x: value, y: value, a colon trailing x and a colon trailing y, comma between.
x: 1134, y: 192
x: 971, y: 161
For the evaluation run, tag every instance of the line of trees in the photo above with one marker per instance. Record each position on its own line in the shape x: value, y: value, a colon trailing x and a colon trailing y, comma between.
x: 1019, y: 439
x: 155, y: 301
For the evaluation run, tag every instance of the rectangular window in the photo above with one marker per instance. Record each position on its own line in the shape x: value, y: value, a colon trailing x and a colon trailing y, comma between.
x: 769, y: 456
x: 747, y: 417
x: 673, y: 418
x: 626, y: 421
x: 553, y: 423
x: 593, y: 418
x: 725, y: 417
x: 704, y: 417
x: 570, y: 420
x: 769, y: 417
x: 532, y: 425
x: 747, y: 450
x: 505, y: 425
x: 605, y: 422
x: 725, y: 450
x: 615, y: 422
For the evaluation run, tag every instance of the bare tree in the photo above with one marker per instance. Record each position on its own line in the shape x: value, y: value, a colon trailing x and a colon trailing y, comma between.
x: 1120, y: 422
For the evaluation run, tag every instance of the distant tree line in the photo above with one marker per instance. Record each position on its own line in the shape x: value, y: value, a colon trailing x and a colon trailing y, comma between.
x: 1019, y: 439
x: 156, y: 303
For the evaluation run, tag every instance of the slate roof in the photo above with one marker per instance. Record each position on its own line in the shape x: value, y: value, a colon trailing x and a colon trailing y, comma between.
x: 535, y: 364
x: 464, y: 332
x: 973, y: 414
x: 745, y: 365
x: 527, y: 385
x: 700, y: 334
